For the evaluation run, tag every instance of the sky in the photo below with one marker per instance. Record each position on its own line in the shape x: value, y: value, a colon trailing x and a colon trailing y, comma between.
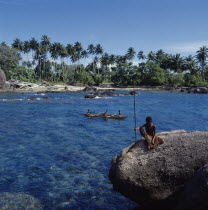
x: 176, y: 26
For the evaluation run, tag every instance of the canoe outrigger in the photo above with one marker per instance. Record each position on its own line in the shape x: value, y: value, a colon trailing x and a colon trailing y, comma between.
x: 117, y: 117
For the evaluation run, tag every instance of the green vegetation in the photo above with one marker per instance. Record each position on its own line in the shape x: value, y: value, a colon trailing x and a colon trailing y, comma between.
x: 35, y: 60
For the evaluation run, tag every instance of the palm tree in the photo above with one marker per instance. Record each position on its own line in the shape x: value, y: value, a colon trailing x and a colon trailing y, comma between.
x: 105, y: 61
x: 141, y: 55
x: 38, y: 53
x: 98, y: 51
x: 17, y: 44
x: 84, y: 54
x: 62, y: 51
x: 159, y: 56
x: 201, y: 56
x: 78, y: 51
x: 120, y: 59
x: 26, y: 48
x: 70, y: 50
x: 151, y: 56
x: 54, y: 54
x: 130, y: 53
x: 33, y: 46
x: 91, y: 51
x: 177, y: 63
x: 45, y: 43
x: 190, y: 64
x: 95, y: 63
x: 112, y: 60
x: 3, y: 44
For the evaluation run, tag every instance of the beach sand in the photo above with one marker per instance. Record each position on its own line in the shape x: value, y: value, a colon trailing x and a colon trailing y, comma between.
x: 32, y: 87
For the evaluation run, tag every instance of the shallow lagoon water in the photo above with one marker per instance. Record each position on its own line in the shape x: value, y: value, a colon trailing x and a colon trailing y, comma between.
x: 51, y: 151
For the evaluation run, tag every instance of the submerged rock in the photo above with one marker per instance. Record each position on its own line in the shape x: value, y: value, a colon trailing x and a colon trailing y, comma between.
x: 36, y: 98
x: 158, y: 177
x: 19, y: 201
x: 90, y: 96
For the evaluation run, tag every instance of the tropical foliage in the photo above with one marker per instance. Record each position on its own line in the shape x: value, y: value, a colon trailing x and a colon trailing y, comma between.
x: 34, y: 60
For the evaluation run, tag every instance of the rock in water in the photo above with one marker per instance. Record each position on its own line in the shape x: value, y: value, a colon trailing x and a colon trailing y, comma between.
x: 158, y: 176
x: 195, y: 193
x: 2, y: 78
x: 19, y: 201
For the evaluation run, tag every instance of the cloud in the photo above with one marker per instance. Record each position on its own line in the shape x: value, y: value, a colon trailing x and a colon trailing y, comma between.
x: 190, y: 47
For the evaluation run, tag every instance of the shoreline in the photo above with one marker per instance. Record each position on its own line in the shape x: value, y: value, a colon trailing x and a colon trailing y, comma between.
x: 32, y: 87
x: 45, y: 87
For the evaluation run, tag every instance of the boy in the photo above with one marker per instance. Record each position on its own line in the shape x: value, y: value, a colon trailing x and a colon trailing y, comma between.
x: 150, y: 134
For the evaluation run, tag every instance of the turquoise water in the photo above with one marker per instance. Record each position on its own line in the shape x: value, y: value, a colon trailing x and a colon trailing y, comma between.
x: 51, y: 151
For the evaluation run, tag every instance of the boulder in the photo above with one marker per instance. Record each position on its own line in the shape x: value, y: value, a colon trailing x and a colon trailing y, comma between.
x: 201, y: 90
x: 2, y: 78
x: 105, y: 85
x: 99, y: 93
x: 134, y: 92
x: 109, y: 92
x: 19, y: 201
x: 14, y: 83
x: 89, y: 89
x: 90, y: 96
x: 195, y: 193
x: 36, y: 98
x: 158, y: 177
x: 169, y: 88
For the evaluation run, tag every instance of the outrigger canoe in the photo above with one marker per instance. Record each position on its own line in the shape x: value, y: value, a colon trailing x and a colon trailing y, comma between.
x: 107, y: 117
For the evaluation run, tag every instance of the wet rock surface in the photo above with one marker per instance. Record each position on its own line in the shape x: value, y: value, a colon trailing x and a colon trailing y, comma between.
x: 94, y: 92
x: 162, y: 177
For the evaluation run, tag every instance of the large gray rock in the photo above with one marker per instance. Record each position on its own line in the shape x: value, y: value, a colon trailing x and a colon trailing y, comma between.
x: 19, y: 201
x: 2, y: 78
x: 158, y: 176
x: 195, y: 193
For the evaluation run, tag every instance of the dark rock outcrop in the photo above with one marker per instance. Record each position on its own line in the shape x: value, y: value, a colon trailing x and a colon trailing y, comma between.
x: 93, y: 92
x: 158, y: 177
x: 195, y: 193
x: 2, y: 78
x: 134, y: 92
x: 19, y: 201
x: 36, y: 98
x: 90, y: 96
x: 201, y: 90
x: 89, y: 89
x: 109, y: 92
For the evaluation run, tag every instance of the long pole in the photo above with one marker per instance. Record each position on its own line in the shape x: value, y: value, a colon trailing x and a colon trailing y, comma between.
x: 135, y: 113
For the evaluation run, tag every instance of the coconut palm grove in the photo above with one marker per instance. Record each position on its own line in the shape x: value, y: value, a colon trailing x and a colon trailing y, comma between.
x: 41, y: 59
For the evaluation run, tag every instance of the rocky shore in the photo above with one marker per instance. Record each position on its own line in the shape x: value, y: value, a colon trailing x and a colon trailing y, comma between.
x: 110, y: 90
x: 173, y: 176
x: 93, y: 91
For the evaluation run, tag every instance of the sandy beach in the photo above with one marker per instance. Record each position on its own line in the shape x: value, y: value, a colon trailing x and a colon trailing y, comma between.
x: 32, y: 87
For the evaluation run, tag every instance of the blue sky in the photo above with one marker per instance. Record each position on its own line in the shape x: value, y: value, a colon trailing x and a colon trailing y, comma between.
x: 176, y: 26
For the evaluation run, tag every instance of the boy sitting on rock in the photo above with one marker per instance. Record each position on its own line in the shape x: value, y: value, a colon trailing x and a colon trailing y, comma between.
x: 150, y: 134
